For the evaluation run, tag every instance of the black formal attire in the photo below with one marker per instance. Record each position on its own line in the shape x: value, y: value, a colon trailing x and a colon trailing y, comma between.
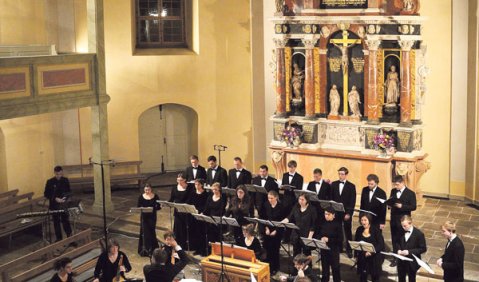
x: 193, y: 173
x: 369, y: 202
x: 330, y: 258
x: 348, y: 198
x: 58, y: 188
x: 255, y: 246
x: 308, y: 272
x: 235, y: 179
x: 239, y: 209
x: 371, y: 265
x: 181, y: 219
x: 198, y: 228
x: 165, y: 272
x: 323, y: 191
x: 269, y: 183
x: 288, y: 198
x: 217, y: 174
x: 306, y: 221
x: 148, y: 241
x: 105, y: 270
x: 416, y: 244
x: 408, y: 200
x: 453, y: 261
x: 272, y: 243
x: 214, y: 208
x: 56, y: 278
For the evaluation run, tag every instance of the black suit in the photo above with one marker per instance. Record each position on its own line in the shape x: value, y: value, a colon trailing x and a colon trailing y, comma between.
x: 221, y: 176
x: 324, y: 193
x: 58, y: 188
x: 259, y: 198
x: 416, y: 245
x: 288, y: 198
x: 374, y: 205
x: 165, y: 273
x: 348, y: 199
x: 408, y: 201
x: 243, y: 178
x: 453, y: 261
x: 200, y: 173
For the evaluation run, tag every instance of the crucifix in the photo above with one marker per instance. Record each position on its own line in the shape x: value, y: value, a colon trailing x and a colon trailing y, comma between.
x: 343, y: 44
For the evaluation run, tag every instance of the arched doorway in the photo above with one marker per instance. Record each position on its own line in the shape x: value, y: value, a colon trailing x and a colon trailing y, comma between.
x: 168, y: 134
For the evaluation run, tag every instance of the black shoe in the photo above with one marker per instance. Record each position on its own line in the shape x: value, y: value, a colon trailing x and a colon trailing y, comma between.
x: 394, y: 263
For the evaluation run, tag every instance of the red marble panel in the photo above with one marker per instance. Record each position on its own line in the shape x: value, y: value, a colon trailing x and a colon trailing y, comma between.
x: 12, y: 82
x: 56, y: 78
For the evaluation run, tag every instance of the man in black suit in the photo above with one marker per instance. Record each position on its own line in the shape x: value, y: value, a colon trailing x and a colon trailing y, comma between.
x: 370, y: 202
x: 411, y: 243
x: 159, y: 271
x: 216, y: 173
x: 289, y: 199
x: 195, y: 171
x: 344, y: 192
x: 238, y: 175
x: 452, y: 262
x: 269, y: 183
x: 323, y: 190
x: 404, y: 201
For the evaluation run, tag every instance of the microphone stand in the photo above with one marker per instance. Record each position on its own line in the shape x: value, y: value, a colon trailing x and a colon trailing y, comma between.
x: 219, y: 148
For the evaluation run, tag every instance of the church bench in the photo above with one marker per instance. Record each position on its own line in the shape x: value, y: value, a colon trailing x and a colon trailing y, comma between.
x: 8, y: 194
x: 120, y: 173
x: 84, y: 259
x: 15, y: 199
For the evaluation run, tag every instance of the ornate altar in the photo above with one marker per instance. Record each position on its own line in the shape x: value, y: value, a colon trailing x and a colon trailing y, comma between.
x: 239, y: 264
x: 346, y: 71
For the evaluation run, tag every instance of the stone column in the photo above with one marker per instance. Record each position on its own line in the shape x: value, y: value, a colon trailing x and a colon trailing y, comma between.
x: 309, y: 78
x: 405, y: 77
x: 99, y: 113
x: 373, y: 106
x: 280, y: 77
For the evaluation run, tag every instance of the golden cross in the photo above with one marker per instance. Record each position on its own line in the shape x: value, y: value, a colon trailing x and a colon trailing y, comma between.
x: 343, y: 44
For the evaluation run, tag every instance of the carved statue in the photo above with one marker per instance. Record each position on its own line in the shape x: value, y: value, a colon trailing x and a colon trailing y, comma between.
x: 408, y: 5
x: 344, y: 58
x: 279, y: 6
x: 297, y: 81
x: 354, y: 101
x: 392, y: 86
x: 334, y: 101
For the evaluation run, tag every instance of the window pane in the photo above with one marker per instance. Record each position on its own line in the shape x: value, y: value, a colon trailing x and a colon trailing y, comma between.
x: 172, y: 31
x: 149, y: 31
x: 171, y: 8
x: 148, y: 7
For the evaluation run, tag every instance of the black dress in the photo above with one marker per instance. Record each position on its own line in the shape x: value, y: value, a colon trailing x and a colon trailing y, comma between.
x: 305, y: 220
x: 181, y: 219
x: 198, y: 228
x: 255, y: 246
x: 55, y: 278
x: 105, y: 270
x: 148, y: 226
x: 272, y: 243
x: 239, y: 210
x: 214, y: 208
x: 371, y: 265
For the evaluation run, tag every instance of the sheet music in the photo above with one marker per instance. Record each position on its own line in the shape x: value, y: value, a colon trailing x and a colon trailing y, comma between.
x: 362, y: 246
x: 253, y: 279
x: 396, y: 255
x: 381, y: 200
x: 360, y: 210
x: 423, y: 264
x: 315, y: 243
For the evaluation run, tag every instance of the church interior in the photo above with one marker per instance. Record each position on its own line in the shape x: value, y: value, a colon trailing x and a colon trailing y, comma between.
x: 383, y: 87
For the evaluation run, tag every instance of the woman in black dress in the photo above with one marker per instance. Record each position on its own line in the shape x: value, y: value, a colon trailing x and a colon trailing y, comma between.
x: 215, y: 206
x: 273, y: 211
x: 198, y: 228
x: 369, y: 263
x: 148, y: 241
x: 181, y: 193
x: 63, y: 268
x: 240, y: 206
x: 249, y: 241
x: 110, y: 262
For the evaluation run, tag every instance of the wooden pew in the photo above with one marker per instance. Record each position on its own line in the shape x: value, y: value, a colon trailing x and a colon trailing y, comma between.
x: 84, y: 259
x: 16, y: 199
x: 8, y: 194
x: 120, y: 173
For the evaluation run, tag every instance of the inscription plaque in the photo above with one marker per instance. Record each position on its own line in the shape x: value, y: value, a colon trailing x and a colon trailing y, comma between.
x: 343, y: 4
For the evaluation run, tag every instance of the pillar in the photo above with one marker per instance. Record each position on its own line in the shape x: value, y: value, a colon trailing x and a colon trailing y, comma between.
x: 405, y: 77
x: 373, y: 106
x: 309, y: 78
x: 280, y: 77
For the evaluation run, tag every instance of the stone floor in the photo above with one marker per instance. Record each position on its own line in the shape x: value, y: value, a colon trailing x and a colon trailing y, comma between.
x: 125, y: 227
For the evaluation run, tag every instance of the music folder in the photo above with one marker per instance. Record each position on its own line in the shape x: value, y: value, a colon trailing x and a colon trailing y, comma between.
x: 423, y: 264
x: 312, y: 196
x: 204, y: 218
x: 392, y: 201
x: 362, y: 246
x: 397, y: 256
x: 315, y: 243
x: 339, y: 207
x: 365, y: 211
x: 256, y: 189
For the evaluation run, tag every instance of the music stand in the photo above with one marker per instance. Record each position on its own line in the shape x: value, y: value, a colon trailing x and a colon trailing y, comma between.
x: 315, y: 243
x: 188, y: 209
x: 256, y: 189
x: 221, y: 221
x: 365, y: 211
x: 284, y: 225
x: 362, y: 246
x: 286, y: 187
x: 166, y: 204
x: 141, y: 210
x: 206, y: 219
x: 312, y: 196
x: 228, y: 191
x: 338, y: 207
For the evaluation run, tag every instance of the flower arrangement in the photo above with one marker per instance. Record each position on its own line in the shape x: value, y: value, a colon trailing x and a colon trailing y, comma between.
x: 383, y: 142
x: 292, y: 135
